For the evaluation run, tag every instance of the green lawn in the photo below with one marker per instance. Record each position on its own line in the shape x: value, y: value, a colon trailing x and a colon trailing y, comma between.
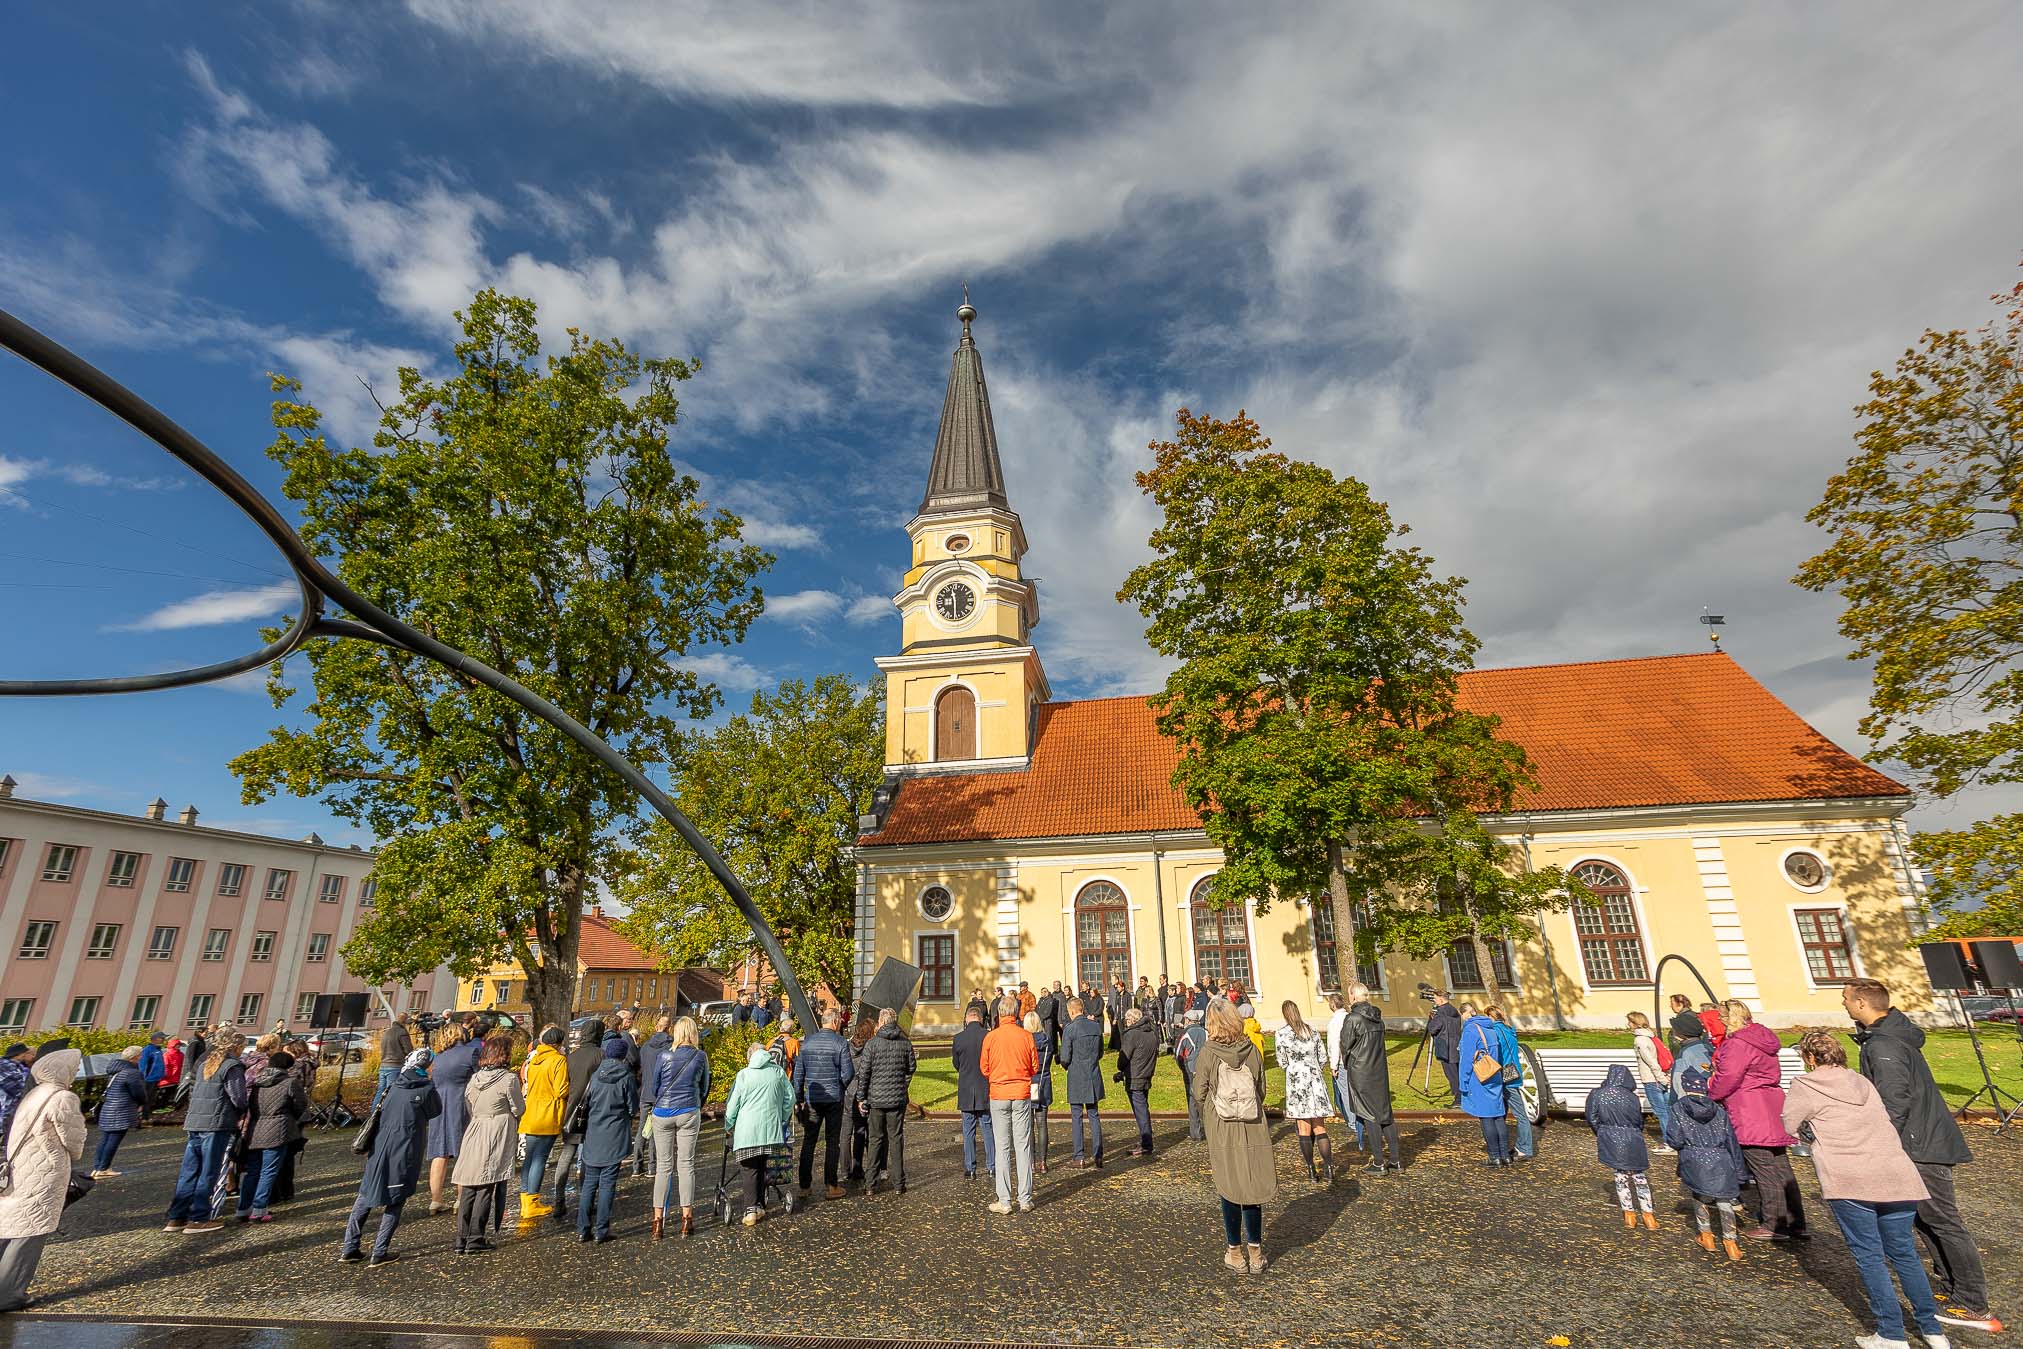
x: 1948, y: 1051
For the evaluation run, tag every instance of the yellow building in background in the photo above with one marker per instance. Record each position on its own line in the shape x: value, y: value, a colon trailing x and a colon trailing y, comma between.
x: 1023, y: 838
x: 612, y: 973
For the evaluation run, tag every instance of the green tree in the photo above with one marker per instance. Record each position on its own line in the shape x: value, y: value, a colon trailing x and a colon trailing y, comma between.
x: 1927, y: 556
x: 527, y: 512
x: 778, y: 790
x: 1314, y: 701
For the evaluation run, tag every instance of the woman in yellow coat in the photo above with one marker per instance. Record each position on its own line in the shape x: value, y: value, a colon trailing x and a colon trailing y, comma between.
x: 546, y: 1074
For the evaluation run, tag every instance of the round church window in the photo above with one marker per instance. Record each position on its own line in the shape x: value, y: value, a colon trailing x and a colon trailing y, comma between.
x: 1805, y: 870
x: 936, y: 903
x: 958, y: 543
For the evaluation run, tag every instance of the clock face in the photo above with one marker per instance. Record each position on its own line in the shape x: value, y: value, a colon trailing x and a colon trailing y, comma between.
x: 955, y: 601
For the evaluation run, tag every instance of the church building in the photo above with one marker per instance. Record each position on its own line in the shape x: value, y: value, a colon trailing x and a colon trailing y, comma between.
x: 1024, y: 838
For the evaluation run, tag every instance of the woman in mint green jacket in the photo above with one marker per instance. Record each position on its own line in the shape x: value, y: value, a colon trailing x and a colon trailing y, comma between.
x: 756, y: 1115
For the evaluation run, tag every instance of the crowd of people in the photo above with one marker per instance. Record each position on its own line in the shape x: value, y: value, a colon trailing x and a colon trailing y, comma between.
x: 456, y: 1116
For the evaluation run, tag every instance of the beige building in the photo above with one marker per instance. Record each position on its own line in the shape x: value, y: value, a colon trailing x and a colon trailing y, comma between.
x: 611, y: 973
x: 1040, y: 840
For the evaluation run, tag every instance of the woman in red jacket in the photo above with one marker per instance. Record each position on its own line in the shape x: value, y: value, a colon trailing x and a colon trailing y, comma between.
x: 1747, y: 1080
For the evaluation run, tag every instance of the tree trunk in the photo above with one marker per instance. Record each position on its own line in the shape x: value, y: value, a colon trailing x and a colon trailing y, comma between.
x: 1345, y: 919
x: 551, y: 984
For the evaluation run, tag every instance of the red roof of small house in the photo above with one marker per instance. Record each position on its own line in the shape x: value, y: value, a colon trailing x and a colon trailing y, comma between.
x: 600, y: 947
x: 1652, y: 731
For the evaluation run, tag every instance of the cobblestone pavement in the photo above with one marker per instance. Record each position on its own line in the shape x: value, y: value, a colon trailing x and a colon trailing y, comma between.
x: 1450, y: 1253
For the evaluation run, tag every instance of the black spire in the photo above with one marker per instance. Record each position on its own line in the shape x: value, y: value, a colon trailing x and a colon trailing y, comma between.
x: 965, y: 473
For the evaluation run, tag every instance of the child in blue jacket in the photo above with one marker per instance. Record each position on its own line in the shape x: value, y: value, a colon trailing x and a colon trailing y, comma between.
x: 1710, y: 1160
x: 1616, y: 1113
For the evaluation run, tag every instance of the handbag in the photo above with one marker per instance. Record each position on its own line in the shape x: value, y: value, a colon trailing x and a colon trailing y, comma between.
x: 80, y: 1186
x: 362, y: 1141
x: 1485, y: 1065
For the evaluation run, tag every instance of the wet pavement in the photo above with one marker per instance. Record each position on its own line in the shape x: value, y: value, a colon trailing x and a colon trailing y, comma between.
x: 1451, y: 1252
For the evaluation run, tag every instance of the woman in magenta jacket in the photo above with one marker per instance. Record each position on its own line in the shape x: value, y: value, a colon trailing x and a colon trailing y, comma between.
x: 1746, y: 1079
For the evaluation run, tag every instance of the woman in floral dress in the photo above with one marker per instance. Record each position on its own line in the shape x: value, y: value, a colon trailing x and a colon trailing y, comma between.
x: 1302, y: 1053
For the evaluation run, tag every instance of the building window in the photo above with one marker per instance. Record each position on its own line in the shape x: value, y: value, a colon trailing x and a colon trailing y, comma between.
x: 6, y: 848
x: 162, y: 944
x: 181, y: 871
x: 1829, y: 959
x: 83, y: 1013
x: 1221, y: 939
x: 216, y: 942
x: 936, y: 903
x: 125, y: 866
x: 231, y: 879
x: 1465, y: 971
x: 1611, y: 948
x: 249, y: 1008
x: 1806, y: 870
x: 1369, y: 972
x: 200, y: 1012
x: 368, y: 891
x: 955, y: 724
x: 652, y: 989
x: 502, y: 991
x: 1102, y: 935
x: 417, y: 999
x: 14, y: 1013
x: 319, y: 948
x: 934, y: 952
x: 37, y: 938
x: 104, y: 941
x: 332, y: 889
x: 277, y: 883
x: 263, y: 946
x: 145, y: 1010
x: 61, y: 862
x: 305, y: 1006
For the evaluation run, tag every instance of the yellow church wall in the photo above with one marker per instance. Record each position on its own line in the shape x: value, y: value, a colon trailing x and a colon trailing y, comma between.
x: 973, y: 922
x: 1712, y: 890
x: 1001, y: 708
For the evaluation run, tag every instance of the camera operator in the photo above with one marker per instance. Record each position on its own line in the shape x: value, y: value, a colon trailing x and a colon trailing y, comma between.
x: 1443, y: 1025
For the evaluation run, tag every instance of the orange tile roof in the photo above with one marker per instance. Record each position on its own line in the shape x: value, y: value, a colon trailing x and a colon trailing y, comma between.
x: 601, y: 948
x: 1657, y: 730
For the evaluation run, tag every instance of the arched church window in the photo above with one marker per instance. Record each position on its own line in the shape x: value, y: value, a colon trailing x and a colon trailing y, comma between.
x: 1611, y: 948
x: 1102, y: 935
x: 1221, y: 939
x: 955, y: 724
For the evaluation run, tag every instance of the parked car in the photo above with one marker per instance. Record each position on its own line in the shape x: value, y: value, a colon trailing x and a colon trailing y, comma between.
x: 94, y: 1074
x: 331, y: 1045
x: 713, y: 1015
x: 1986, y: 1007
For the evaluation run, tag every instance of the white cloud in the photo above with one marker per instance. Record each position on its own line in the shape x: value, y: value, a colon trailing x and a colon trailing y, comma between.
x: 775, y: 534
x: 216, y: 607
x: 52, y: 786
x: 870, y: 609
x: 804, y: 606
x: 727, y: 669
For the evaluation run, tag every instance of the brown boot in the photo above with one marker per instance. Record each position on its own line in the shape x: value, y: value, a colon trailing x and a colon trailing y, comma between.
x: 1233, y: 1258
x: 1733, y: 1248
x: 1651, y: 1221
x: 659, y: 1223
x: 687, y: 1223
x: 1257, y: 1260
x: 1706, y: 1240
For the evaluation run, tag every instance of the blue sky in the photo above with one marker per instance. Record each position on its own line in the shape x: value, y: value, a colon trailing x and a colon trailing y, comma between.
x: 1586, y: 297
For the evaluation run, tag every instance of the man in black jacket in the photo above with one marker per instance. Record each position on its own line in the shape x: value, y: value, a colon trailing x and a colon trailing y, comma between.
x: 1445, y: 1026
x: 1136, y: 1062
x: 972, y: 1095
x: 884, y: 1085
x: 822, y: 1076
x: 1893, y: 1057
x: 583, y: 1060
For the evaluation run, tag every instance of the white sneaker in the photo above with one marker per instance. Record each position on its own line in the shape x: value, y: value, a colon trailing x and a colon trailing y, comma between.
x: 1000, y: 1206
x: 1664, y: 1151
x: 1938, y: 1342
x: 1878, y: 1342
x: 1025, y: 1206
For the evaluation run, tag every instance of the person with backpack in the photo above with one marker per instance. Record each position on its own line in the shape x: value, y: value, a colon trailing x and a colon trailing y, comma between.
x: 1229, y: 1090
x: 218, y: 1099
x: 1186, y: 1052
x: 1654, y: 1072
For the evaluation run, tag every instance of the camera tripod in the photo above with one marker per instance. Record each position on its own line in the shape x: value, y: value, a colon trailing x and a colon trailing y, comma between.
x: 1988, y: 1089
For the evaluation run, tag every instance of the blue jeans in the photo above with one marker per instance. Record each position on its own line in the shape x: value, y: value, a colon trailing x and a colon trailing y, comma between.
x: 1242, y: 1222
x: 108, y: 1146
x: 1514, y: 1100
x: 354, y: 1230
x: 1141, y: 1110
x: 1496, y: 1138
x: 386, y: 1076
x: 256, y: 1180
x: 600, y: 1187
x: 1879, y: 1237
x: 1341, y: 1085
x: 1660, y: 1098
x: 535, y: 1169
x: 1076, y: 1114
x: 974, y: 1122
x: 203, y: 1157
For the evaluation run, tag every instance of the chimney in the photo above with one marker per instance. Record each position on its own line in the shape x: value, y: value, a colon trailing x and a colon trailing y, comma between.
x: 7, y: 785
x: 158, y: 809
x: 596, y: 910
x: 189, y: 816
x: 314, y: 839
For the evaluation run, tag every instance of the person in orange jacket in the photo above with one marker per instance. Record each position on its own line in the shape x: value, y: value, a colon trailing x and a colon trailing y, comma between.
x: 1009, y: 1060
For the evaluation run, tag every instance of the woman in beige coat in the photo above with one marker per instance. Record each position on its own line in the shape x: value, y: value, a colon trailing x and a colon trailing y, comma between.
x: 493, y: 1104
x: 1229, y: 1095
x: 45, y: 1138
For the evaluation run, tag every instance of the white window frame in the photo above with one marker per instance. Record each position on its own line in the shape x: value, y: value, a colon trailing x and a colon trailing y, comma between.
x: 231, y: 879
x: 6, y: 851
x: 955, y: 957
x: 90, y: 1003
x: 10, y: 1021
x: 156, y: 949
x: 1186, y: 907
x: 182, y: 874
x: 317, y: 955
x: 121, y: 877
x: 249, y: 1008
x: 273, y: 891
x: 59, y: 864
x: 1825, y: 870
x: 222, y: 949
x: 46, y: 928
x: 98, y: 949
x: 368, y: 893
x: 331, y: 889
x: 417, y: 1000
x: 198, y: 1019
x: 305, y: 1006
x: 1791, y: 912
x: 147, y: 1009
x: 260, y: 951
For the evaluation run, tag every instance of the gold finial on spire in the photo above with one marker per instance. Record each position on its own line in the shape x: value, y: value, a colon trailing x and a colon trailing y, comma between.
x: 1713, y: 624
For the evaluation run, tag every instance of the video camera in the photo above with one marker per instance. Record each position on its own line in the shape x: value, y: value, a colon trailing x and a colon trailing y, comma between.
x: 1427, y: 992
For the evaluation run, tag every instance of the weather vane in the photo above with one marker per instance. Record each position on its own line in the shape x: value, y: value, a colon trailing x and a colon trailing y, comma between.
x: 1712, y: 622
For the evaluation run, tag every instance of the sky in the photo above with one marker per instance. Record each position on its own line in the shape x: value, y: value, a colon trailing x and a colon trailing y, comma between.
x: 1587, y: 293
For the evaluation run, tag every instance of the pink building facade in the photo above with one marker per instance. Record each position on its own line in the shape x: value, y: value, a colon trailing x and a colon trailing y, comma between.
x: 109, y: 921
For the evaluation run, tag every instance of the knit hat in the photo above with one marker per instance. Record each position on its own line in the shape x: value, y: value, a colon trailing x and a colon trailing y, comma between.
x: 614, y: 1048
x: 416, y: 1062
x: 1694, y: 1081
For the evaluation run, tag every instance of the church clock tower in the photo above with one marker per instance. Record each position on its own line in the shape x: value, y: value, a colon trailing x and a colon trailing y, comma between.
x: 961, y: 692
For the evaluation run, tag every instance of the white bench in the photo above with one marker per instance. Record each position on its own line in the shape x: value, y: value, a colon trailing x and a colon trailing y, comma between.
x: 1570, y: 1074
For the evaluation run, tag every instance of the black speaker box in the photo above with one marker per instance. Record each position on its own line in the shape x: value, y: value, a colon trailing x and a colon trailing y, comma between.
x: 1946, y: 965
x: 2000, y: 967
x: 323, y: 1015
x: 351, y: 1009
